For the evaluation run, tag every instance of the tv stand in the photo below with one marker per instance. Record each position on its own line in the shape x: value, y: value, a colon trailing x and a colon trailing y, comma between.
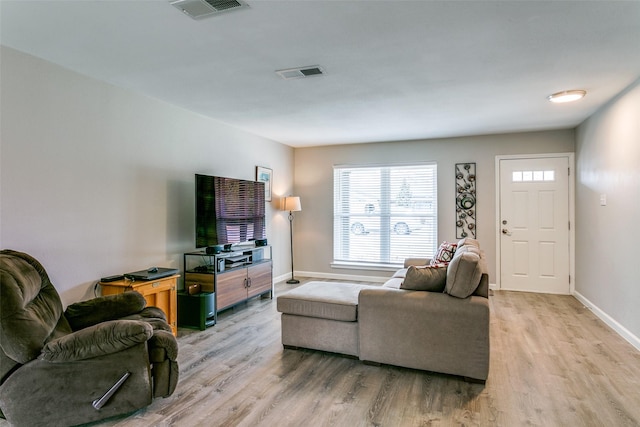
x: 234, y: 277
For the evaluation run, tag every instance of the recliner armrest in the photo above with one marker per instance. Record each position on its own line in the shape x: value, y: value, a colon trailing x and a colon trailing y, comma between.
x: 110, y: 307
x: 162, y: 346
x: 163, y: 352
x: 98, y: 340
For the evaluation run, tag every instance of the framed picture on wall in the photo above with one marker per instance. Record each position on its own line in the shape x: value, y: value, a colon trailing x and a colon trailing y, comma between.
x: 265, y: 175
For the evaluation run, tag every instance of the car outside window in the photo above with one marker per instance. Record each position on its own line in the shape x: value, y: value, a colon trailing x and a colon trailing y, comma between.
x: 384, y: 214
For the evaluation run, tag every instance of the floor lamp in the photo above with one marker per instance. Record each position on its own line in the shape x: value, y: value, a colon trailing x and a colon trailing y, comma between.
x: 292, y: 204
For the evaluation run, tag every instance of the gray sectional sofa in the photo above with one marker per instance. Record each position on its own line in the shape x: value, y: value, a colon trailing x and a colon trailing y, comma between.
x: 438, y: 330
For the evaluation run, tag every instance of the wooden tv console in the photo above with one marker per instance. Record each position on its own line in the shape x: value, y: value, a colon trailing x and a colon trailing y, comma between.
x: 250, y: 276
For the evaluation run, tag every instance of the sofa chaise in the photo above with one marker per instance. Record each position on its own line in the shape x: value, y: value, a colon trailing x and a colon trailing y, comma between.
x: 437, y: 322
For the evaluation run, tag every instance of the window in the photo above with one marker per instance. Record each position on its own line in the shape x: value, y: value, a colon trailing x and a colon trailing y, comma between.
x: 384, y: 214
x: 529, y: 176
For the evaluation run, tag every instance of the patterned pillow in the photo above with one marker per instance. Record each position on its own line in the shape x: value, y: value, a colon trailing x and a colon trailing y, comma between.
x: 444, y: 254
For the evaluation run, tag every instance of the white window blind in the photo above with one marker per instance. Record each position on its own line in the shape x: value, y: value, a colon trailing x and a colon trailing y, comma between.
x: 384, y: 214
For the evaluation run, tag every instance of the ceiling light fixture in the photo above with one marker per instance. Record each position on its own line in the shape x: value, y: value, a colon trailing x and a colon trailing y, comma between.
x: 567, y: 96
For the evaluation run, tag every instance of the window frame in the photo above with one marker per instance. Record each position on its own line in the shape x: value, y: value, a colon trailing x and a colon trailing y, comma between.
x: 387, y: 258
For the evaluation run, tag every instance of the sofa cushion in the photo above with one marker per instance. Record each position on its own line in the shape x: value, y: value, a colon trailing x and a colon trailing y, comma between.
x: 444, y: 254
x: 464, y: 272
x: 418, y: 262
x: 400, y: 273
x: 429, y: 278
x: 325, y: 300
x: 393, y: 283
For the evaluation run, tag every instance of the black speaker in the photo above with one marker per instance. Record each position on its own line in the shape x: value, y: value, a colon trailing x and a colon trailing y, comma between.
x: 197, y: 311
x: 261, y: 242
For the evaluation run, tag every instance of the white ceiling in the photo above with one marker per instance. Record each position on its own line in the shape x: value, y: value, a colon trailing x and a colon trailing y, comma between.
x: 395, y: 70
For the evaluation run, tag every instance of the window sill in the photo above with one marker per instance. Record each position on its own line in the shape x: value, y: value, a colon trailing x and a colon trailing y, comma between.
x: 365, y: 266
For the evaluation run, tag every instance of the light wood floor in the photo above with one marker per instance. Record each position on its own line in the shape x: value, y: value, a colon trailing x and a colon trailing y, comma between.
x: 553, y: 363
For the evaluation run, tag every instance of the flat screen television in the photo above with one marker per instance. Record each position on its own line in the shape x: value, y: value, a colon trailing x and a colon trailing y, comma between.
x: 228, y: 210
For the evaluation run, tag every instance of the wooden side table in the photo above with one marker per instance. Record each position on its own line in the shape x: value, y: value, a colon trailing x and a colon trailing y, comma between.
x: 159, y: 293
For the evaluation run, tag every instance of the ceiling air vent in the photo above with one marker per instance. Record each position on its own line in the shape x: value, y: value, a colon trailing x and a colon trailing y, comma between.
x: 296, y: 73
x: 201, y: 8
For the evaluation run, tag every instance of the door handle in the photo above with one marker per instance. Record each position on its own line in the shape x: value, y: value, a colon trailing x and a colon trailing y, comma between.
x: 506, y: 232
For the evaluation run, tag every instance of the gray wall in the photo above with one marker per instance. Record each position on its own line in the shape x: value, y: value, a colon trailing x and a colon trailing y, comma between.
x: 314, y: 184
x: 96, y: 180
x: 608, y: 163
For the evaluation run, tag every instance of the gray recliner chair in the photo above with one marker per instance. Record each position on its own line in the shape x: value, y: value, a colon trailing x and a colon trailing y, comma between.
x: 100, y: 358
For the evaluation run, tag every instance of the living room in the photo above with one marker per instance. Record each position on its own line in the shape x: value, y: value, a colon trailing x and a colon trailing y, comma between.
x: 97, y: 179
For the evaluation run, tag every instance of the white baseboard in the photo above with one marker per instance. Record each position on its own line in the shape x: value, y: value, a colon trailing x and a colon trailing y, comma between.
x: 612, y: 323
x: 282, y: 278
x: 317, y: 275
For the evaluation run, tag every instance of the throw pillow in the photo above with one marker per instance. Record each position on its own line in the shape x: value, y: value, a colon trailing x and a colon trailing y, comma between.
x: 431, y: 279
x: 468, y: 241
x: 464, y: 273
x: 444, y: 254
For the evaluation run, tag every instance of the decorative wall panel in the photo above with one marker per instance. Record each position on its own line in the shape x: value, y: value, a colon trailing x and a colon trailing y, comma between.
x: 465, y: 200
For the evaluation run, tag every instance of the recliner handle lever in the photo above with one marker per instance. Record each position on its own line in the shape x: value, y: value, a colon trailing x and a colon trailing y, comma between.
x: 99, y: 403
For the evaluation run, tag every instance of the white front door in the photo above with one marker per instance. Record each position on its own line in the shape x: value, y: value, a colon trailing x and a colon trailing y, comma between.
x: 534, y: 224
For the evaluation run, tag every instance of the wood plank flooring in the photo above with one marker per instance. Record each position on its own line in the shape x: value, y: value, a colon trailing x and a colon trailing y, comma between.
x: 553, y: 363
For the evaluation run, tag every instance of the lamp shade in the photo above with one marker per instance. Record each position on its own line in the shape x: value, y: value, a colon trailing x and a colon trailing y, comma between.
x: 292, y: 204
